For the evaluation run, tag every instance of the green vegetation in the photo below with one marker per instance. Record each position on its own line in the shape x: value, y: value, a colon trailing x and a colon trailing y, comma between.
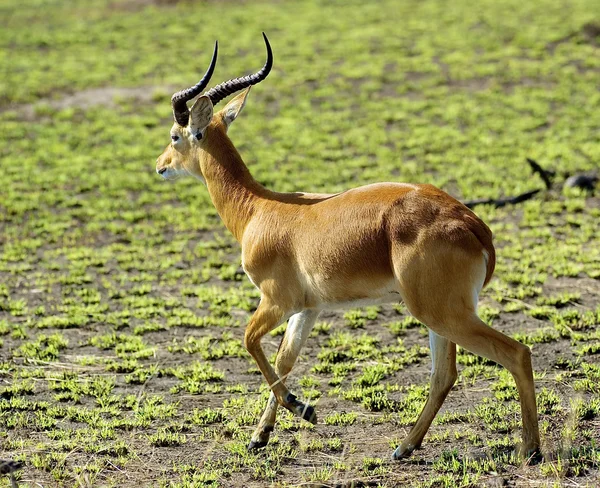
x: 122, y: 301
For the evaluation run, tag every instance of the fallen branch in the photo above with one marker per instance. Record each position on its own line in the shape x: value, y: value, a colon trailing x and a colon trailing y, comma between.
x: 500, y: 202
x: 544, y: 174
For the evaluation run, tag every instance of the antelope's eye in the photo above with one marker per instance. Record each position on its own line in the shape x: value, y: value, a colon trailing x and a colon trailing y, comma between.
x: 174, y: 138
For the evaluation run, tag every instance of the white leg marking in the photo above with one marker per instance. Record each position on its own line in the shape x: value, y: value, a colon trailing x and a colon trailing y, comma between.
x: 299, y: 328
x: 432, y: 344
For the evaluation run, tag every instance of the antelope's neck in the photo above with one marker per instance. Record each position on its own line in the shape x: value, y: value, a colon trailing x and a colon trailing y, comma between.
x: 232, y: 189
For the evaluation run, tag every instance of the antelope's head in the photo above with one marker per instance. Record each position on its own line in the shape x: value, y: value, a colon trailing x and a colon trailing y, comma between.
x: 191, y: 133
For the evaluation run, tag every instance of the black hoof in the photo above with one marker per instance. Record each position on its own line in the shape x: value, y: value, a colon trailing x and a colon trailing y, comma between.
x: 300, y: 409
x: 402, y: 453
x: 309, y: 414
x: 256, y: 445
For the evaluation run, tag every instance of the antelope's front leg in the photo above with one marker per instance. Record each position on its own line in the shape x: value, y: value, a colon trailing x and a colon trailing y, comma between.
x: 266, y: 318
x: 296, y: 334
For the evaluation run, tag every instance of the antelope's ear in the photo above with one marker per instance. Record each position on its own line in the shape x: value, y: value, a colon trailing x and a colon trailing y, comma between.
x: 233, y: 108
x: 200, y: 116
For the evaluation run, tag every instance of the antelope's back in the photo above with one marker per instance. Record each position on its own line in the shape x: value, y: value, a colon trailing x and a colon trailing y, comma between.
x: 354, y: 231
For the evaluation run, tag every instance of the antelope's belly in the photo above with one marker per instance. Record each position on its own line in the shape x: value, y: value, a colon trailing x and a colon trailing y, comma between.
x: 344, y: 292
x: 391, y: 297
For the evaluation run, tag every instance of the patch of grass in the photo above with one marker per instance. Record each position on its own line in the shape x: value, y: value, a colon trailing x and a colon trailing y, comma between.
x: 357, y: 318
x: 197, y: 378
x: 341, y: 418
x: 164, y: 438
x: 44, y: 348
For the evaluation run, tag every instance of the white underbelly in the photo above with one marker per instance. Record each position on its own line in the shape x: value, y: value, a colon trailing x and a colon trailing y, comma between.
x: 391, y: 297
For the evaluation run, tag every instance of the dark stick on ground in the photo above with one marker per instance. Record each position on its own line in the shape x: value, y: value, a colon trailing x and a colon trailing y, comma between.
x: 544, y: 174
x: 501, y: 202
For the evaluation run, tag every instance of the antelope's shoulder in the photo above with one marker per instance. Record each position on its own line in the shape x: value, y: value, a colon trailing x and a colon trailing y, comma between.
x: 264, y: 241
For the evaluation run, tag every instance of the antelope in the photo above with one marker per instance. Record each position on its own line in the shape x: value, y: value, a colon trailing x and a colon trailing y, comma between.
x: 306, y: 252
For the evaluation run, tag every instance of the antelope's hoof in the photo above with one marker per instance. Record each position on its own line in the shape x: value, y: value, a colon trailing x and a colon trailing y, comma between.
x: 403, y: 452
x: 309, y: 414
x: 260, y: 438
x: 300, y: 409
x: 256, y: 445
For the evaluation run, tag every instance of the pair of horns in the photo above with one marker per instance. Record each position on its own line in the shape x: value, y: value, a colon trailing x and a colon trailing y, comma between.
x: 179, y: 100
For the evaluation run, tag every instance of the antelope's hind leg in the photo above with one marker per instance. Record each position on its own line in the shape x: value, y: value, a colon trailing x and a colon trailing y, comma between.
x: 445, y: 300
x: 463, y: 327
x: 299, y: 327
x: 443, y: 377
x: 476, y: 336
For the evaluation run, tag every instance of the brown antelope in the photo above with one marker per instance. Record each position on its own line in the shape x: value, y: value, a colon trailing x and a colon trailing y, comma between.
x: 378, y: 243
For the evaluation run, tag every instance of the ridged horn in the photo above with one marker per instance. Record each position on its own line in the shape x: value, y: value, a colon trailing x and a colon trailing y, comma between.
x: 226, y: 88
x: 179, y: 100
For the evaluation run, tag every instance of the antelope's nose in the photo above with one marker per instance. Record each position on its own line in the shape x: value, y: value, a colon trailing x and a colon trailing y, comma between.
x: 161, y: 170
